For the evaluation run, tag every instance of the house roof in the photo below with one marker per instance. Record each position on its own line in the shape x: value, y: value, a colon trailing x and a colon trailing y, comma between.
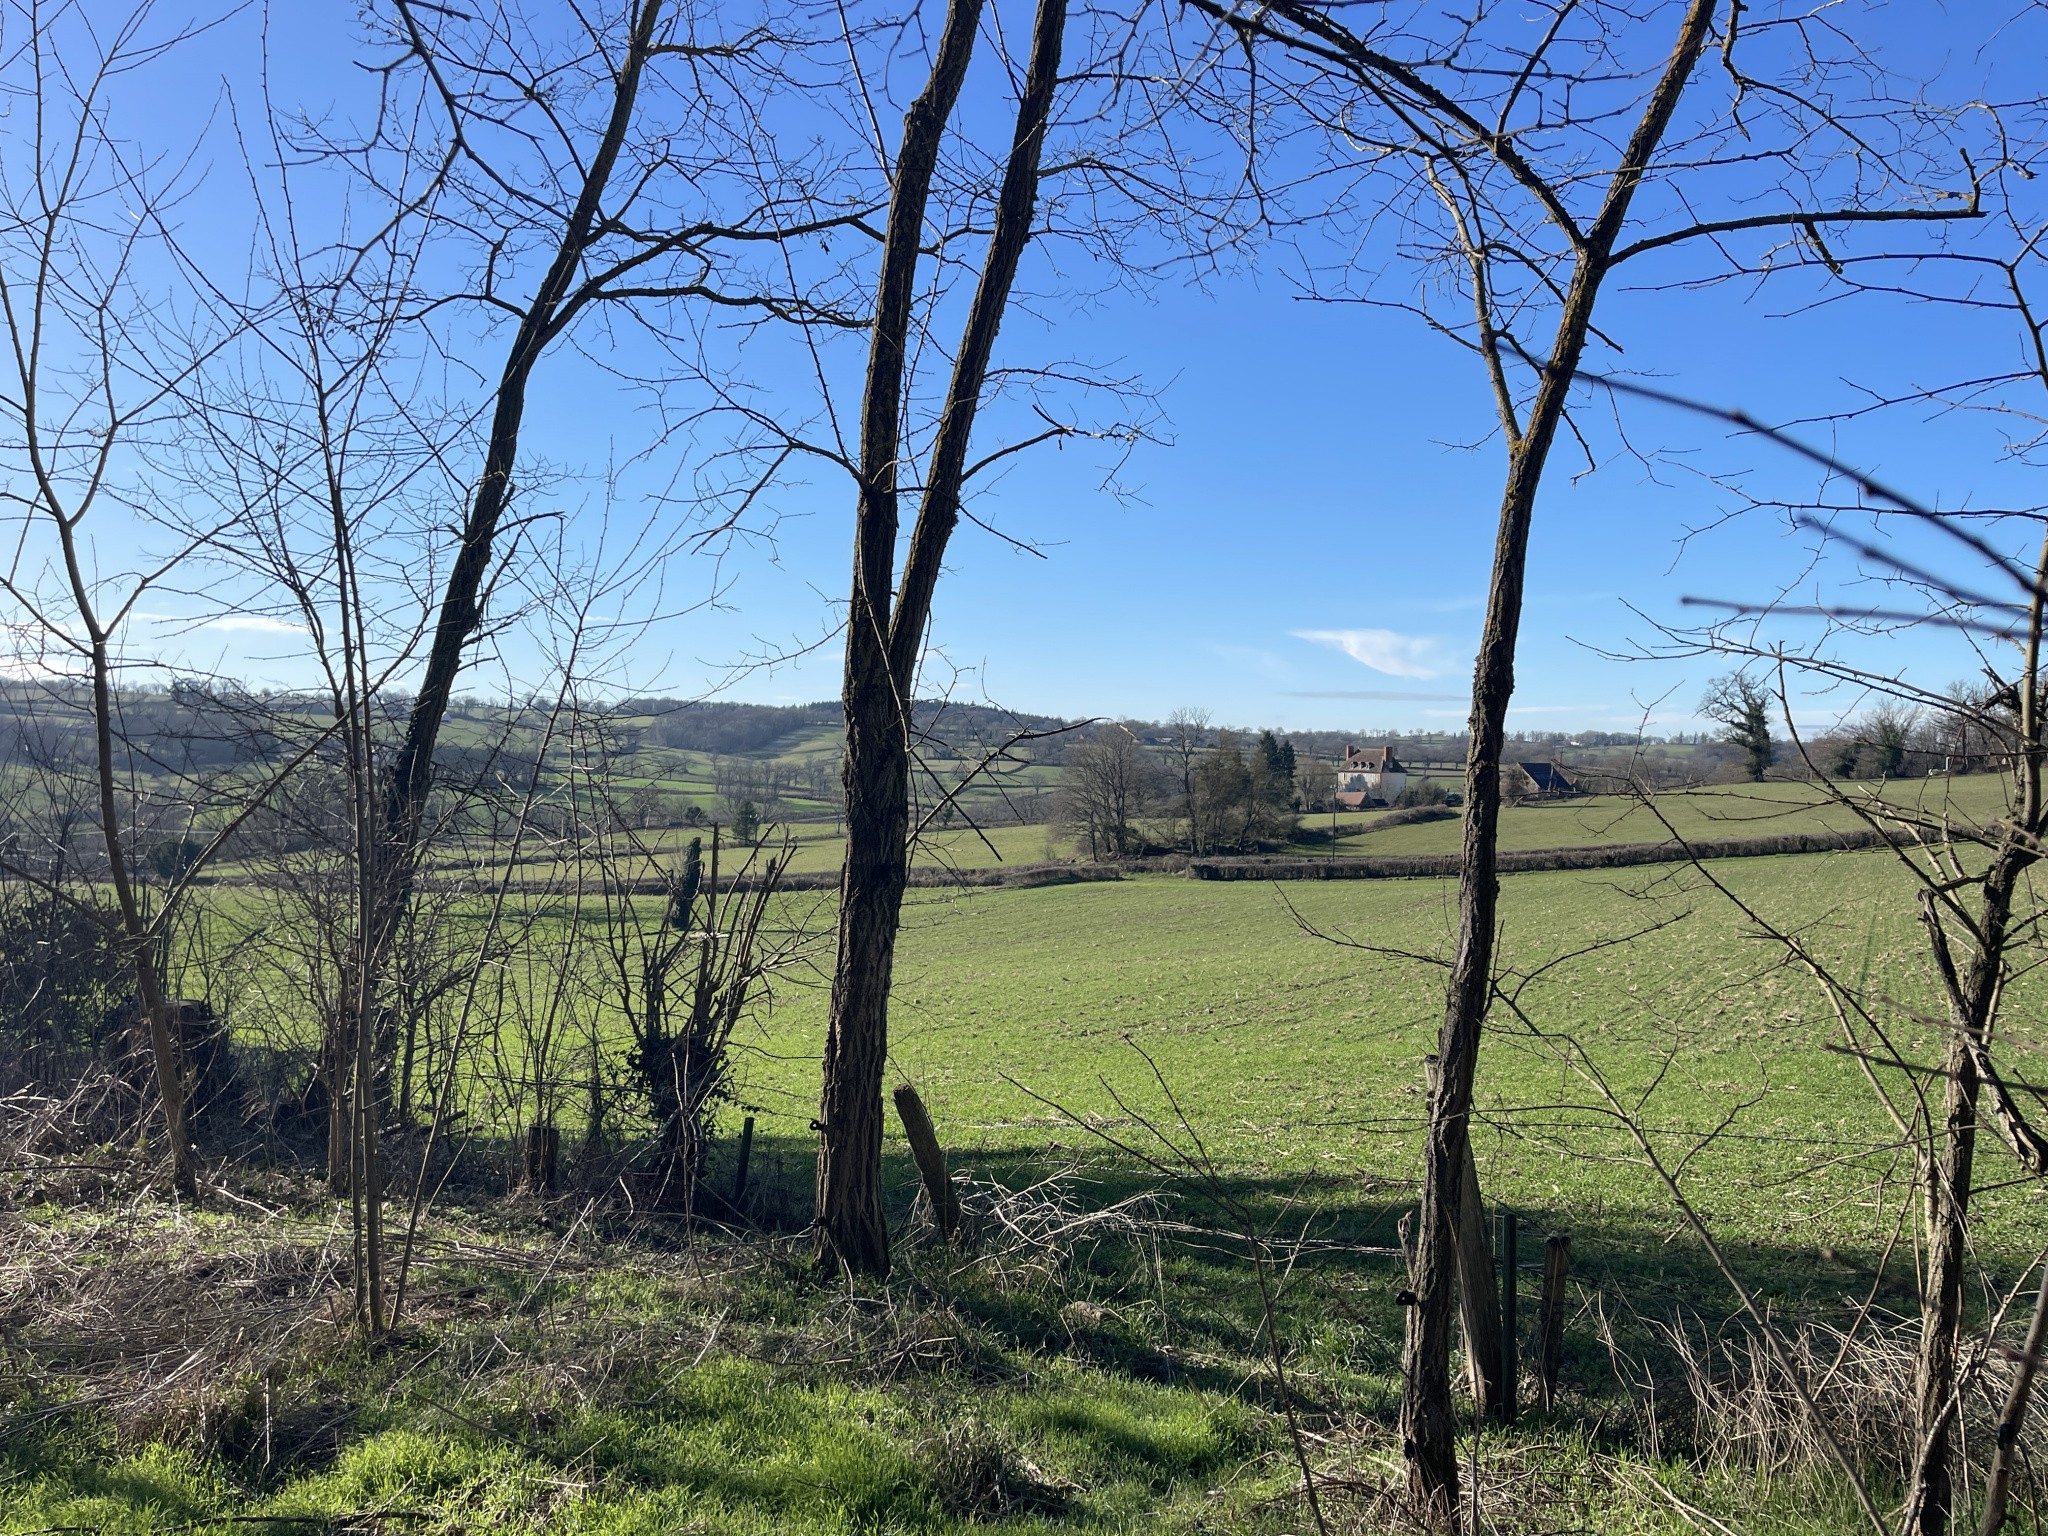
x: 1371, y: 759
x: 1548, y: 777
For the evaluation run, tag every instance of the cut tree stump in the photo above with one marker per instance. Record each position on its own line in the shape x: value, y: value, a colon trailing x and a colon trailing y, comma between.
x: 543, y: 1142
x: 931, y: 1160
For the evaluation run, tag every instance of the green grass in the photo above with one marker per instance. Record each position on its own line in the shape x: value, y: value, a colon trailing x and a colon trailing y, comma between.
x: 1296, y: 1055
x: 1720, y: 811
x: 603, y: 1377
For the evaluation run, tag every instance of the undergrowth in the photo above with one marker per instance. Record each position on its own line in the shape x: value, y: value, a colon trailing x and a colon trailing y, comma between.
x: 1089, y: 1360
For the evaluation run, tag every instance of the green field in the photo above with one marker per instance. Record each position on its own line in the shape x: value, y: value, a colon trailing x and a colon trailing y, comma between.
x: 1295, y: 1055
x: 1718, y: 811
x: 578, y: 1374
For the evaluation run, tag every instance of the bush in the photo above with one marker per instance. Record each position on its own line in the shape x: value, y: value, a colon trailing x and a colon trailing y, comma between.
x: 63, y: 985
x: 1422, y: 792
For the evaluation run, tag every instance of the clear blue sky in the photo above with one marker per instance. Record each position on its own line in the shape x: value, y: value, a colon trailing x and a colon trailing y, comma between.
x: 1308, y: 549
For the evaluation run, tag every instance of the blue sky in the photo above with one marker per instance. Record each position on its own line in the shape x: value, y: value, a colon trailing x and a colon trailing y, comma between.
x: 1313, y: 532
x: 1308, y: 545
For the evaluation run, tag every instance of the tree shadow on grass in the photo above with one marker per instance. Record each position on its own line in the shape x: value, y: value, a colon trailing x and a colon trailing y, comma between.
x: 1175, y: 1300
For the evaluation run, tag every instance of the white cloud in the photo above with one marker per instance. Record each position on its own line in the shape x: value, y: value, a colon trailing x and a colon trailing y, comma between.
x: 254, y: 623
x: 227, y: 623
x: 1383, y: 650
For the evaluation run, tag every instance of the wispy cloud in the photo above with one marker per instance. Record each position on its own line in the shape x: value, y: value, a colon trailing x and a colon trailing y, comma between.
x: 254, y: 623
x: 1367, y: 693
x: 227, y: 623
x: 1383, y: 650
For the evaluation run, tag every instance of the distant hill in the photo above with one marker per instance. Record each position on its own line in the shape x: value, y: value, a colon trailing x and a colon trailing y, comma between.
x: 755, y: 729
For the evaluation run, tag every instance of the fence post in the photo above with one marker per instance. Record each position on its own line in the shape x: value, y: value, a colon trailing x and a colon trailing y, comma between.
x: 1557, y: 1263
x: 739, y: 1174
x: 1509, y: 1343
x: 931, y: 1159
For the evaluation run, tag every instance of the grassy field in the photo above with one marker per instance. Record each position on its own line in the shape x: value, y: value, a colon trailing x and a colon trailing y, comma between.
x: 1718, y: 811
x: 573, y: 1370
x: 1296, y: 1055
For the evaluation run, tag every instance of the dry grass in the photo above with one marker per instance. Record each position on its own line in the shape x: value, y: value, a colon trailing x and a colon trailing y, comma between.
x: 1742, y: 1416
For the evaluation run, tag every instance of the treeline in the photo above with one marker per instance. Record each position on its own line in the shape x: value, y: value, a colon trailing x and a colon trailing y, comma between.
x: 1195, y: 791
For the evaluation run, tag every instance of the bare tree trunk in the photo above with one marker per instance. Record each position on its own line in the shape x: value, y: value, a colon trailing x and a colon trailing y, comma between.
x: 875, y: 775
x: 1428, y: 1428
x: 1478, y: 1300
x: 164, y: 1043
x: 1930, y: 1498
x: 883, y: 639
x: 850, y: 1225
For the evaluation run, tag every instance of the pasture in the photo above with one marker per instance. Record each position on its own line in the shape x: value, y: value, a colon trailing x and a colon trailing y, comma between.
x: 574, y: 1372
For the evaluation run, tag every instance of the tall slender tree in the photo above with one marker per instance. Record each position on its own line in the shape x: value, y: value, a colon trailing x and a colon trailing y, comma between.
x: 1492, y: 146
x: 888, y: 615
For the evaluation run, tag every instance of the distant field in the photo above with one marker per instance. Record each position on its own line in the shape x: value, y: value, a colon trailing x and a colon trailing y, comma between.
x: 1716, y: 812
x: 1719, y: 811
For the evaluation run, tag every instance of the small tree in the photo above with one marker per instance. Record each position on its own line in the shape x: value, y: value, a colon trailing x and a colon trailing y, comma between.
x: 1188, y: 731
x: 1104, y: 785
x: 746, y: 823
x: 1743, y: 711
x: 1317, y: 782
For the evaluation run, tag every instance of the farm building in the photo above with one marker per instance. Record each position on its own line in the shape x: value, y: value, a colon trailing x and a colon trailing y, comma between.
x: 1544, y: 781
x: 1369, y: 776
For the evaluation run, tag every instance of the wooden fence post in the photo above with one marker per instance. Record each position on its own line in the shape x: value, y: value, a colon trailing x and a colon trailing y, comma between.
x: 931, y: 1159
x: 739, y: 1173
x: 1557, y: 1263
x: 1510, y: 1362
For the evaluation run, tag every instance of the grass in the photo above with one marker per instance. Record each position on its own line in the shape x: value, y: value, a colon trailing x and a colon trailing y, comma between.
x: 1718, y: 811
x: 1299, y: 1056
x: 581, y: 1371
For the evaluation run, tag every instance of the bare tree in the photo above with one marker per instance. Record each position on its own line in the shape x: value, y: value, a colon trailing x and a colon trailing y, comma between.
x: 1493, y: 148
x: 582, y: 167
x: 888, y: 615
x: 98, y: 362
x: 1187, y: 735
x: 1982, y: 924
x: 1105, y: 784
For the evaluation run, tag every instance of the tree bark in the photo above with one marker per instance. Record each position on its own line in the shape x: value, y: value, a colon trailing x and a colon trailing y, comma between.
x: 1478, y: 1300
x: 884, y: 636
